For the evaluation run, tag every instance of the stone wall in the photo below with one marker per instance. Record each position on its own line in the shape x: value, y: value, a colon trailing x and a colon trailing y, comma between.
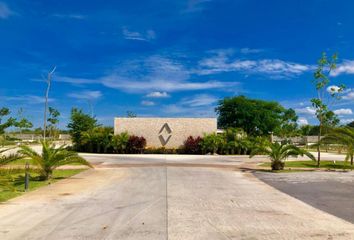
x: 165, y: 132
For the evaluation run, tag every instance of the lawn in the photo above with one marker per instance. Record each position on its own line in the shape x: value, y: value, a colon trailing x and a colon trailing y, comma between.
x: 311, y: 164
x: 12, y: 185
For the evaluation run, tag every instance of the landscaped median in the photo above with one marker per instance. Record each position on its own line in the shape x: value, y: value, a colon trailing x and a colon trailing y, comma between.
x: 311, y: 165
x: 27, y: 169
x: 12, y: 181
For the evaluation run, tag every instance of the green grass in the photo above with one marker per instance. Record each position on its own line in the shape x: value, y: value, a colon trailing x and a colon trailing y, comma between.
x: 31, y: 162
x: 311, y: 164
x: 14, y: 186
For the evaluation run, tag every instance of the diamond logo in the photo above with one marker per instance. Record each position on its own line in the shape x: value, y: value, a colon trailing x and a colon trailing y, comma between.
x: 165, y: 134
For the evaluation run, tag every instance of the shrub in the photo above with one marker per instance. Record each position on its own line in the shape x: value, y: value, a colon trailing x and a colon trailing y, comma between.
x: 97, y: 140
x: 120, y: 142
x: 193, y: 145
x: 212, y: 143
x: 136, y: 144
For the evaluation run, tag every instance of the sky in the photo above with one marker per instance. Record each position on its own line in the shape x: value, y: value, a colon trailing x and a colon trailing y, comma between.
x: 171, y: 58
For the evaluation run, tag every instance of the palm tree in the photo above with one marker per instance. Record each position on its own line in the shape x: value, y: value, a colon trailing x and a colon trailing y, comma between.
x: 278, y: 153
x: 51, y: 158
x: 343, y: 137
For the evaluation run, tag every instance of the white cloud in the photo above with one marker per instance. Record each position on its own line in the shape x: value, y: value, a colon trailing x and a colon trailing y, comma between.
x: 343, y: 111
x: 195, y: 6
x: 157, y: 73
x: 200, y: 105
x: 346, y: 121
x: 139, y: 36
x: 183, y: 110
x: 349, y: 95
x: 5, y: 11
x: 158, y: 95
x: 73, y: 80
x: 306, y: 110
x: 250, y: 50
x: 199, y: 100
x: 147, y: 103
x: 86, y: 95
x: 29, y: 99
x: 222, y: 62
x: 70, y: 16
x: 347, y: 67
x: 302, y: 121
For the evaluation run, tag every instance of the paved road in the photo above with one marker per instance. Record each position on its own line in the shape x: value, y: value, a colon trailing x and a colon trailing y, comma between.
x: 165, y: 197
x: 332, y: 192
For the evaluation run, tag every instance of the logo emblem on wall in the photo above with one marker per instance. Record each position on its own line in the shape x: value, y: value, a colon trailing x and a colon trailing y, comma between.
x: 165, y: 134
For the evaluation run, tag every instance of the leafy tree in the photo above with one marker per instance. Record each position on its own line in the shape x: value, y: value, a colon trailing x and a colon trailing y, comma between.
x: 51, y: 158
x: 351, y: 124
x: 343, y: 136
x: 53, y: 120
x: 120, y: 142
x: 288, y: 126
x: 278, y: 153
x: 79, y: 123
x: 23, y: 124
x: 325, y: 116
x: 256, y: 117
x: 131, y: 114
x: 4, y: 124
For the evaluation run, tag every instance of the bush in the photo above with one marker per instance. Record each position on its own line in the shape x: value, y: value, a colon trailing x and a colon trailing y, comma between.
x: 212, y: 143
x: 97, y: 140
x: 193, y: 145
x: 120, y: 142
x: 136, y: 144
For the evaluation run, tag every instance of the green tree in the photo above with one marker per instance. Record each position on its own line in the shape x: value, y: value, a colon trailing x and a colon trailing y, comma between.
x: 79, y: 123
x: 351, y: 124
x: 53, y: 120
x: 256, y: 117
x: 288, y: 125
x: 343, y: 136
x: 9, y: 122
x: 278, y: 153
x: 324, y: 115
x: 131, y: 114
x: 51, y: 158
x: 23, y: 124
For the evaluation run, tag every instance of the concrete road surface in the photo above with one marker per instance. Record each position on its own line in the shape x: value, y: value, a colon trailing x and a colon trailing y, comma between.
x: 165, y: 197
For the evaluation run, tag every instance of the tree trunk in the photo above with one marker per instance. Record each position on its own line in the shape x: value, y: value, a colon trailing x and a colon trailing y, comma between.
x: 319, y: 146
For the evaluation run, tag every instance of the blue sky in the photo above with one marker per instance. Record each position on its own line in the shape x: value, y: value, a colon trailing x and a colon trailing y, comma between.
x: 172, y: 57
